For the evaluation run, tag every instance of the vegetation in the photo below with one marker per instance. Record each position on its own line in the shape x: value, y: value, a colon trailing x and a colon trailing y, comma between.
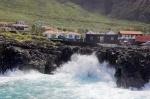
x: 22, y: 37
x: 37, y: 28
x: 66, y: 15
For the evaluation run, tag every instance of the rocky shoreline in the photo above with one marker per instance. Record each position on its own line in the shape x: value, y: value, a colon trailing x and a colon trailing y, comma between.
x: 132, y: 65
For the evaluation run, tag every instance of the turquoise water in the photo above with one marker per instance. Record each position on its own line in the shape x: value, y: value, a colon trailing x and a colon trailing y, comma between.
x: 81, y: 78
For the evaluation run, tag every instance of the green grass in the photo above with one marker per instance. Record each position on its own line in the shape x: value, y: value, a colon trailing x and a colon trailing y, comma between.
x: 22, y: 37
x: 64, y: 15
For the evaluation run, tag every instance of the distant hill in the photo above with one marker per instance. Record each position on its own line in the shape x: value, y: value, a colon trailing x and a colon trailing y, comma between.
x: 72, y: 14
x: 132, y: 9
x: 125, y: 9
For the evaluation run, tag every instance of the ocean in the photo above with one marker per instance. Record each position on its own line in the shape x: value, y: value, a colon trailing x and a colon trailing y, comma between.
x: 81, y: 78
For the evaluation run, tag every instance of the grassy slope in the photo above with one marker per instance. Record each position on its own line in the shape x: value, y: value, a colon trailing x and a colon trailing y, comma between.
x: 66, y: 15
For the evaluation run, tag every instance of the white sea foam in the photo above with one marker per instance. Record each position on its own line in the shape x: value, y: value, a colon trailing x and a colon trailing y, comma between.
x: 19, y: 75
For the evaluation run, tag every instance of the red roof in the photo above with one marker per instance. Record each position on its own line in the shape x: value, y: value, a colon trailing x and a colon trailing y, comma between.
x: 144, y: 38
x: 131, y: 32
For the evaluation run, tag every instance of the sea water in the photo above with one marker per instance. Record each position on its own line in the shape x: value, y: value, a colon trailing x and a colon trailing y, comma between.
x: 81, y: 78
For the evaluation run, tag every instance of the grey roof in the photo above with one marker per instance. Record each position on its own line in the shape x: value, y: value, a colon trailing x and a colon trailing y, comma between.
x: 112, y: 33
x: 106, y: 33
x: 22, y: 25
x: 91, y: 32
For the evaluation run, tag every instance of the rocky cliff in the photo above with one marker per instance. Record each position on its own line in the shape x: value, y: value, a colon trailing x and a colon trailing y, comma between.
x: 32, y: 55
x: 132, y: 65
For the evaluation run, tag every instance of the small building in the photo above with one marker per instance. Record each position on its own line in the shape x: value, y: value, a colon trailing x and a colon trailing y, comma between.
x: 4, y: 26
x: 51, y: 34
x: 142, y: 39
x: 72, y: 36
x: 128, y: 36
x: 47, y: 28
x: 104, y: 38
x: 19, y: 26
x: 62, y: 35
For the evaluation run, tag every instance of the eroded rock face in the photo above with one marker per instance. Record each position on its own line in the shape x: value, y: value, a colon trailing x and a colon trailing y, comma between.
x: 11, y: 58
x: 32, y: 55
x: 27, y: 56
x: 132, y: 65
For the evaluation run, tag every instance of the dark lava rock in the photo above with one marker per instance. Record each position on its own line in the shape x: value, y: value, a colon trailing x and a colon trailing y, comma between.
x: 131, y: 69
x: 11, y: 58
x: 109, y: 55
x: 32, y: 56
x: 132, y: 65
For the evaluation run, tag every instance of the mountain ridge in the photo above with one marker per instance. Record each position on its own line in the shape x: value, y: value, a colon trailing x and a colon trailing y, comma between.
x: 138, y: 10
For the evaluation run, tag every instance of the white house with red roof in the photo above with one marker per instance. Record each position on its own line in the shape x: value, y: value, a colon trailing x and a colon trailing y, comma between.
x: 128, y: 36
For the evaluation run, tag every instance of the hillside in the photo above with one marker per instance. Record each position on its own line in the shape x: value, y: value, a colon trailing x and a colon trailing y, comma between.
x: 124, y: 9
x: 132, y: 9
x: 64, y: 13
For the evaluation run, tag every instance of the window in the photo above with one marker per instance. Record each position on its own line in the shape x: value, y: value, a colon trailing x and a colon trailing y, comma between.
x: 123, y: 36
x: 70, y: 36
x: 77, y: 37
x: 61, y: 37
x: 19, y: 28
x: 91, y: 38
x: 53, y: 36
x: 112, y: 38
x: 130, y: 36
x: 101, y: 38
x: 133, y: 37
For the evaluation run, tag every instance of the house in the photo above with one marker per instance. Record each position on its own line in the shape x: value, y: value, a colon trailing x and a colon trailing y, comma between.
x: 104, y: 38
x: 62, y: 35
x: 47, y: 28
x: 72, y: 36
x: 128, y: 36
x: 142, y: 39
x: 52, y: 34
x: 4, y: 26
x: 19, y: 26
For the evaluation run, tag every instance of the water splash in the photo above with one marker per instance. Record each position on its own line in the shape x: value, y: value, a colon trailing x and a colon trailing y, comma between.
x: 87, y: 67
x: 68, y: 82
